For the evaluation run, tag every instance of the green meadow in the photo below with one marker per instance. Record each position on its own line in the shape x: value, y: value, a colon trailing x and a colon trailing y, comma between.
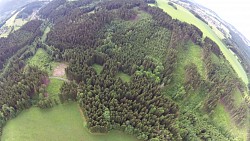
x: 60, y: 123
x: 54, y: 86
x: 63, y: 122
x: 124, y: 77
x: 42, y: 60
x: 222, y: 118
x: 46, y: 31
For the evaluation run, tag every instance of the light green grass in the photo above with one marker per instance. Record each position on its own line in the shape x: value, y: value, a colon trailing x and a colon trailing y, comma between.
x: 42, y: 60
x: 60, y: 123
x: 98, y: 68
x: 151, y: 4
x: 9, y: 23
x: 46, y: 31
x: 19, y: 23
x: 222, y: 118
x: 11, y: 20
x: 13, y: 23
x: 218, y: 32
x: 238, y: 98
x: 125, y: 77
x: 54, y: 86
x: 184, y: 15
x: 191, y: 54
x: 215, y: 59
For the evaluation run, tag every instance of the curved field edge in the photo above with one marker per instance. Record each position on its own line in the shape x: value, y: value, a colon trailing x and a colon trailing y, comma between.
x: 184, y: 15
x: 63, y: 122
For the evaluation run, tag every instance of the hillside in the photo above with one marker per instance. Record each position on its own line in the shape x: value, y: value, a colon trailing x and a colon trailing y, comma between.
x: 136, y: 70
x: 230, y: 36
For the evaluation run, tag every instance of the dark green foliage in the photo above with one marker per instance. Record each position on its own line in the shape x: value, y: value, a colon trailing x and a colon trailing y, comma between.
x: 194, y: 127
x: 192, y: 77
x: 141, y: 41
x: 28, y: 10
x: 198, y: 16
x: 150, y: 1
x: 15, y: 41
x: 173, y: 5
x: 17, y: 89
x: 68, y: 91
x: 222, y: 82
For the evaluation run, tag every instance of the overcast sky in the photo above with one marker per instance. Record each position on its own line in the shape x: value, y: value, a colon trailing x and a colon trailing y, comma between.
x: 235, y: 12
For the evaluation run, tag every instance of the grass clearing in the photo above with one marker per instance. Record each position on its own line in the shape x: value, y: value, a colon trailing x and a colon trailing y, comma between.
x: 13, y: 24
x: 125, y: 77
x: 60, y: 123
x: 46, y: 31
x: 54, y: 86
x: 98, y: 68
x: 42, y: 60
x: 222, y: 118
x: 191, y: 54
x: 237, y: 97
x: 184, y: 15
x: 9, y: 23
x: 19, y: 23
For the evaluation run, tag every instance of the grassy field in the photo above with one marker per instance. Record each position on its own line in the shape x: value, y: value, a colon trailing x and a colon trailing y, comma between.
x: 13, y: 23
x: 98, y: 68
x: 46, y: 31
x: 192, y: 54
x: 218, y: 32
x: 19, y: 23
x: 60, y: 123
x: 184, y: 15
x: 124, y: 77
x: 238, y: 98
x: 54, y: 87
x: 42, y: 60
x: 222, y: 118
x: 9, y: 23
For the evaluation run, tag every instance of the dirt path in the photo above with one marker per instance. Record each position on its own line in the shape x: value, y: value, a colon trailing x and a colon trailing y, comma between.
x: 63, y: 79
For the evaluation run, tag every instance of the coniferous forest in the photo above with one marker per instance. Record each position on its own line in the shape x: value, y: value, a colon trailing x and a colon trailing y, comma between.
x: 156, y: 102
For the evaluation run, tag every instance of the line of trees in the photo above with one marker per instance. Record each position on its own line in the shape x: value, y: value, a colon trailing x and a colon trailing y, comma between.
x: 18, y: 39
x: 142, y: 42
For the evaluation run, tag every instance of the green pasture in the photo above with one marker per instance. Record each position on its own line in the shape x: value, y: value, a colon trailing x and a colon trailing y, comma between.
x: 60, y: 123
x: 54, y: 86
x: 42, y: 60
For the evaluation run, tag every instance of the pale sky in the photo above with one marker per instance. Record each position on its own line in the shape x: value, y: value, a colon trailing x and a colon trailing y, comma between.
x: 235, y: 12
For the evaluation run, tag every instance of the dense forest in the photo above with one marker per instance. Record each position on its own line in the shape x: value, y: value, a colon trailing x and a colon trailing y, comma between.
x: 129, y: 37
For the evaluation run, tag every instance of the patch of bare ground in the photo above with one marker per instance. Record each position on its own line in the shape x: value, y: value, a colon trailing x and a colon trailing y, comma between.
x: 59, y: 71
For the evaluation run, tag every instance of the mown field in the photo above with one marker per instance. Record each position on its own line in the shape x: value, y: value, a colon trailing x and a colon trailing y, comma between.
x: 54, y: 87
x: 60, y: 123
x: 184, y: 15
